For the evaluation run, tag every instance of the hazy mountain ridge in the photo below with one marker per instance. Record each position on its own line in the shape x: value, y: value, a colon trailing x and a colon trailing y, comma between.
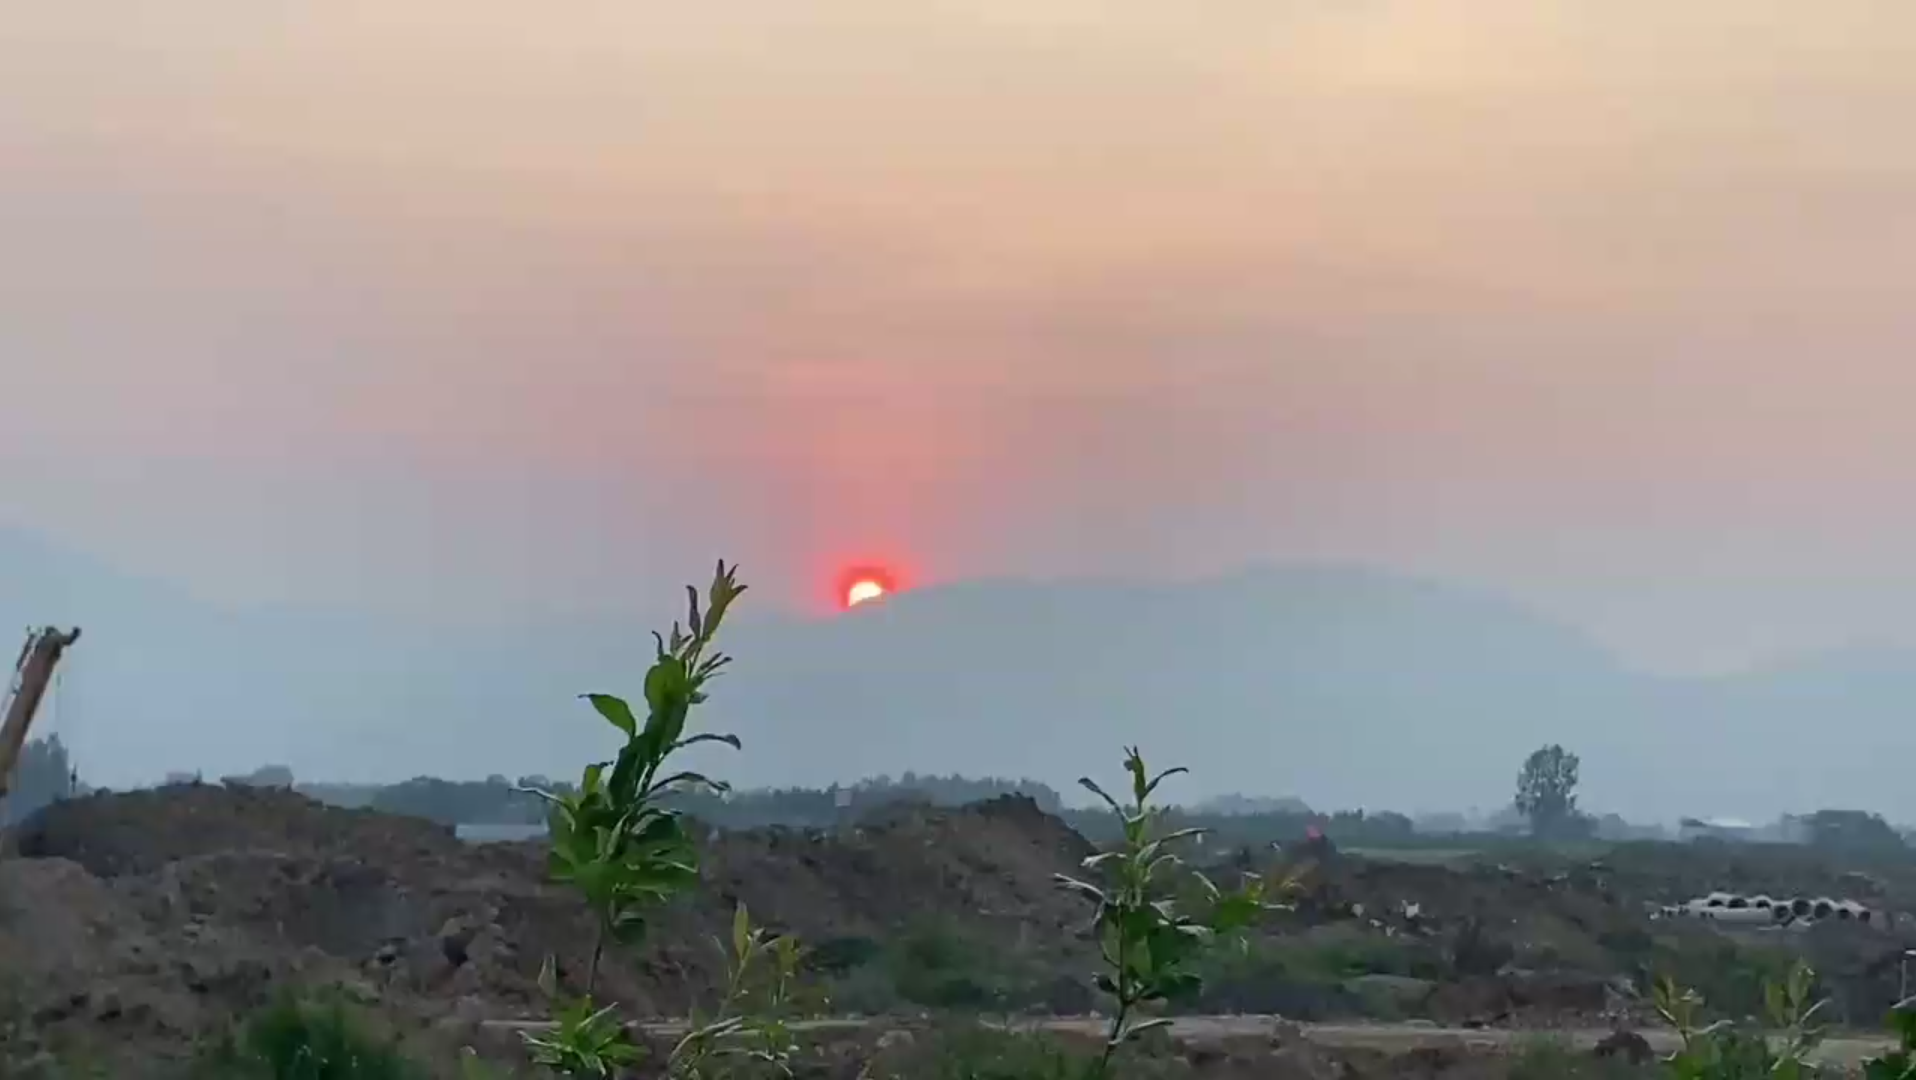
x: 1342, y: 687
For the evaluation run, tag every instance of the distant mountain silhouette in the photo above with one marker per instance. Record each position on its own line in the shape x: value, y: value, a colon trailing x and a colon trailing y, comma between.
x: 1342, y: 687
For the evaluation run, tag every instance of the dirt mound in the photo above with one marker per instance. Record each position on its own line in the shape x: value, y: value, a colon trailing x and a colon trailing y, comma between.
x: 84, y: 960
x: 147, y: 919
x: 140, y: 832
x: 166, y: 911
x: 991, y: 864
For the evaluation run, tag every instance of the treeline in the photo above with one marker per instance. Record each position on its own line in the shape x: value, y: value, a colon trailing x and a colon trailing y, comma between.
x: 44, y: 774
x: 824, y: 807
x: 1346, y: 828
x: 498, y: 800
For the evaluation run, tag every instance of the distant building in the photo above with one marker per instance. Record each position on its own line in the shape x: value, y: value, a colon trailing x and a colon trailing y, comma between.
x: 1785, y: 830
x: 1614, y: 827
x: 1732, y: 830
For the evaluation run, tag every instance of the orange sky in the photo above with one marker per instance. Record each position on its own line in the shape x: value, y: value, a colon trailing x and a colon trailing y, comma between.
x: 458, y: 306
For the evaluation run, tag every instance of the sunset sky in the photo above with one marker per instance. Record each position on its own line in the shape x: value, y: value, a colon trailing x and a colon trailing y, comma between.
x: 477, y: 309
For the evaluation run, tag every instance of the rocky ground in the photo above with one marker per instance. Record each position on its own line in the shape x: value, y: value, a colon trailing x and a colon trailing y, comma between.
x: 133, y: 926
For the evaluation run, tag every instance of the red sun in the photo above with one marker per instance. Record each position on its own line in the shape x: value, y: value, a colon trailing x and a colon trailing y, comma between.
x: 864, y: 585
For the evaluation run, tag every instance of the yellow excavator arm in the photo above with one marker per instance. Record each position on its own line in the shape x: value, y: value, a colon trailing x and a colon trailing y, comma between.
x: 33, y: 674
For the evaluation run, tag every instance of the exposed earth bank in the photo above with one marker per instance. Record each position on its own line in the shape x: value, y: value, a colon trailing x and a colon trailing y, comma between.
x: 137, y: 925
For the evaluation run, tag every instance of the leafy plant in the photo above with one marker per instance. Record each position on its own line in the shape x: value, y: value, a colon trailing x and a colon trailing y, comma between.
x: 751, y: 1021
x: 617, y: 839
x: 1900, y: 1063
x: 307, y: 1040
x: 1723, y: 1051
x: 936, y: 963
x: 586, y: 1042
x: 1148, y: 943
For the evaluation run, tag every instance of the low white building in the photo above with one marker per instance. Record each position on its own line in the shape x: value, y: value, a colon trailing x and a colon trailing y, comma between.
x: 1735, y: 830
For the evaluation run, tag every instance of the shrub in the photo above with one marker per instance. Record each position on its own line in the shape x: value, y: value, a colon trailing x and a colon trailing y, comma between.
x: 294, y: 1039
x: 1733, y: 977
x: 1727, y: 1051
x: 621, y: 840
x: 1900, y: 1063
x: 1149, y: 942
x: 936, y: 963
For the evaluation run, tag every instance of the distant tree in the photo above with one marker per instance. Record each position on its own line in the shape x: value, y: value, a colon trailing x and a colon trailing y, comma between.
x: 460, y: 802
x: 497, y: 801
x: 43, y: 775
x: 1547, y: 791
x: 1390, y: 825
x: 267, y: 776
x: 1853, y: 832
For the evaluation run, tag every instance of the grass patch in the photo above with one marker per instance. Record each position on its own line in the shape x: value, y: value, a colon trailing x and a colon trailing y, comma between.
x: 934, y: 964
x: 1308, y: 976
x: 297, y: 1039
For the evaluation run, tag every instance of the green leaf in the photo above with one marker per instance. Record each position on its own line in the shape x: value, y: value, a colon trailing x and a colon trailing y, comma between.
x: 692, y: 618
x: 1082, y: 888
x: 691, y: 778
x: 1140, y: 786
x: 741, y: 931
x: 1140, y: 1029
x: 693, y: 740
x: 665, y: 686
x: 616, y: 712
x: 1159, y: 779
x: 725, y: 590
x: 1092, y: 786
x: 624, y: 784
x: 548, y: 981
x: 1235, y: 912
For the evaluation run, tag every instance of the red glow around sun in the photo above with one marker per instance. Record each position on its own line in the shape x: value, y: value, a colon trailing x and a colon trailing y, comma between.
x: 864, y: 584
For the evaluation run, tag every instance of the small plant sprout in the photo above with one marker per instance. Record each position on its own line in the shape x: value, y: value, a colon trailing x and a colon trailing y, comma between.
x: 587, y: 1042
x: 1900, y: 1063
x: 751, y: 1021
x: 1148, y: 944
x: 615, y: 839
x: 1722, y: 1051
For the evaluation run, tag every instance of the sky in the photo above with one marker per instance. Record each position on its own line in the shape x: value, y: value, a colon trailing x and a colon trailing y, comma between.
x: 463, y: 311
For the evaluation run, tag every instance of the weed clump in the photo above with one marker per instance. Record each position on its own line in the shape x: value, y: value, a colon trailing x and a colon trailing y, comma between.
x: 297, y: 1039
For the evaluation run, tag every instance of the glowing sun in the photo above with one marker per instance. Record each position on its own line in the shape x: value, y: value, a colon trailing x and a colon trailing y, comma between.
x: 864, y: 590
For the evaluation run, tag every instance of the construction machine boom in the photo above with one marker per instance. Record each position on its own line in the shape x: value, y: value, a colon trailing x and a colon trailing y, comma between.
x: 35, y: 672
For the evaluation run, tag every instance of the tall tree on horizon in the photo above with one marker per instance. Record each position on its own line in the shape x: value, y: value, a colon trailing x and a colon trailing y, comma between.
x: 1547, y: 790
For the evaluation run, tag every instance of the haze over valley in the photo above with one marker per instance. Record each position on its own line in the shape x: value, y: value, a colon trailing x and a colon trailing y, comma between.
x: 1344, y: 687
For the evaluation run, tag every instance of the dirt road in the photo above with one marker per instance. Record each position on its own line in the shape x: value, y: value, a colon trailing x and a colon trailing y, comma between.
x: 1847, y: 1051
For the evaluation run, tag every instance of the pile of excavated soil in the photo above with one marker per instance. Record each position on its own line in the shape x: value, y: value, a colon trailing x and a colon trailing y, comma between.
x: 154, y: 916
x: 143, y: 921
